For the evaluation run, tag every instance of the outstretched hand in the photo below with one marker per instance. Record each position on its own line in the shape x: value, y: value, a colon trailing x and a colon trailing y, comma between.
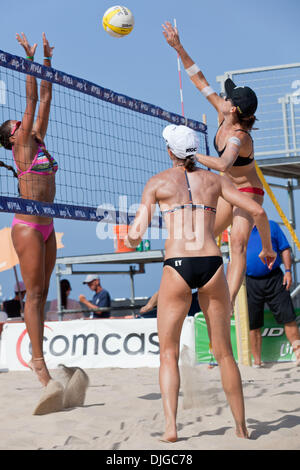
x: 268, y: 257
x: 48, y: 50
x: 171, y: 35
x: 22, y: 40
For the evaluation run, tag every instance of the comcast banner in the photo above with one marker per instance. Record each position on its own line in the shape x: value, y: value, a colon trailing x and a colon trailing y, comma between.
x: 275, y: 346
x: 92, y: 343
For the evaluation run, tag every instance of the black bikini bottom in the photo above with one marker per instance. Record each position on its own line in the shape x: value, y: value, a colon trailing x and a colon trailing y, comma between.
x: 195, y: 270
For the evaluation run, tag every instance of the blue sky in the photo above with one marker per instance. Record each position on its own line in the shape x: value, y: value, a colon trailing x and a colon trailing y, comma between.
x: 219, y: 35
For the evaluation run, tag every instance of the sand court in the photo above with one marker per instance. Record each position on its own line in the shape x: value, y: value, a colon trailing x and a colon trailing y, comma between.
x: 123, y: 411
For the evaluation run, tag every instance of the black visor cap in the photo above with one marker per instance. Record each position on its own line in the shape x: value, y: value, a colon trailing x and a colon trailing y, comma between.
x: 242, y: 97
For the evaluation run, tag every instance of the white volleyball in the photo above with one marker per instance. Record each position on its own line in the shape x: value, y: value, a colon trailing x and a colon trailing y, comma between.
x: 118, y: 21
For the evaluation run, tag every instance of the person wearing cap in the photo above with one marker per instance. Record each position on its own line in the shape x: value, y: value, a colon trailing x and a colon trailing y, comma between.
x: 187, y: 197
x: 234, y: 146
x: 14, y: 307
x: 100, y: 299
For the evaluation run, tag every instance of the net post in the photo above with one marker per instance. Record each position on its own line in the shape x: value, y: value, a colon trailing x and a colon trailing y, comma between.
x: 242, y: 326
x: 241, y: 316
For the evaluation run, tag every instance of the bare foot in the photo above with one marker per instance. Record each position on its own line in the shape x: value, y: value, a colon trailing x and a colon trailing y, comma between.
x: 38, y: 366
x: 242, y: 432
x: 170, y: 435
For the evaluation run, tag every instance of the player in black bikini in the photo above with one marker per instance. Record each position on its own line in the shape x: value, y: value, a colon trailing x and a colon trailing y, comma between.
x: 235, y: 159
x: 187, y: 197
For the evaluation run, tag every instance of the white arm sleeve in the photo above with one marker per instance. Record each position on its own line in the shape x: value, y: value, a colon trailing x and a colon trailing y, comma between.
x: 235, y: 140
x: 192, y: 70
x: 207, y: 91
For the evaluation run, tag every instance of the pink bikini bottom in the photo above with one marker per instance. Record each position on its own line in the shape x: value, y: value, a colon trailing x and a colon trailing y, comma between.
x: 45, y: 230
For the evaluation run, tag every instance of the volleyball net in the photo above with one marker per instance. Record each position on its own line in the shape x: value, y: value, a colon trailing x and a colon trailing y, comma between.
x: 107, y: 145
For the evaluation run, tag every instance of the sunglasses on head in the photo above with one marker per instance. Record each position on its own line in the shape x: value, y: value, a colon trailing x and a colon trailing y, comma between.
x: 16, y: 126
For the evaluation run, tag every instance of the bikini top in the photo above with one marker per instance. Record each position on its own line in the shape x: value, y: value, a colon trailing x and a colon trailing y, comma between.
x: 42, y: 164
x: 190, y: 204
x: 240, y: 161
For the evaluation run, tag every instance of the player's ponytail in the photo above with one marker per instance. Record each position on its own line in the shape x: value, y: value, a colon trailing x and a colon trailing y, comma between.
x: 189, y: 164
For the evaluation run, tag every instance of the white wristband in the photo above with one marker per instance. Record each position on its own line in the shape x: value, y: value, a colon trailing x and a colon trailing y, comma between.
x: 235, y: 140
x: 192, y: 70
x: 208, y: 90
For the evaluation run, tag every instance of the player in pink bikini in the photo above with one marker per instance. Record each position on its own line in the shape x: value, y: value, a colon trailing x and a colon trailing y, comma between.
x: 33, y: 236
x: 234, y: 146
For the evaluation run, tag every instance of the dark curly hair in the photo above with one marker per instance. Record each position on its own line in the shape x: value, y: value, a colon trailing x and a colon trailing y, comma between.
x: 5, y: 133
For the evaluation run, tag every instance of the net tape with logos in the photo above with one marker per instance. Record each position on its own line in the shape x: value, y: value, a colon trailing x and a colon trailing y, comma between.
x: 107, y: 145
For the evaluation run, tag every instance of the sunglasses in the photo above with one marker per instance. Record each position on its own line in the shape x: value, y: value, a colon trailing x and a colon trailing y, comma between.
x: 16, y: 126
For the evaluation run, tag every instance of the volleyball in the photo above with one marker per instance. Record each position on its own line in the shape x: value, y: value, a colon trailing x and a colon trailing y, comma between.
x: 118, y: 21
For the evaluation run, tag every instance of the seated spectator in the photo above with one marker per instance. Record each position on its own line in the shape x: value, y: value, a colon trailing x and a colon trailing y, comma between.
x: 66, y: 303
x: 13, y: 307
x: 150, y: 311
x: 100, y: 299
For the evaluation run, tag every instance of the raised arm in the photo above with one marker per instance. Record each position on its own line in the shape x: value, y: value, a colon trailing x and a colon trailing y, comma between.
x: 195, y: 74
x: 31, y: 94
x: 143, y: 216
x: 236, y: 198
x: 41, y: 124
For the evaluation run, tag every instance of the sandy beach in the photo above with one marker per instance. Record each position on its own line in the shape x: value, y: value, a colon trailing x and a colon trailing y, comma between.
x: 123, y: 411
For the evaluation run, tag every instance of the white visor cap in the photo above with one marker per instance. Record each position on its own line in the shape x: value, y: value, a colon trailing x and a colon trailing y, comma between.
x: 182, y: 140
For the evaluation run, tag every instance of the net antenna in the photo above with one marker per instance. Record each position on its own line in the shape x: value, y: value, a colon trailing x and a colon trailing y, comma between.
x: 179, y: 74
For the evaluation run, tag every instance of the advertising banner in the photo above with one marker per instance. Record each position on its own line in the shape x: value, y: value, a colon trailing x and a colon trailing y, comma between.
x: 92, y: 343
x: 275, y: 346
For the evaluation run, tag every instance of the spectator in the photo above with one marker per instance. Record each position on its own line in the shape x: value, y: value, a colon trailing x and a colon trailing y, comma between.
x: 271, y: 287
x: 151, y: 305
x: 66, y: 303
x: 13, y: 307
x: 149, y: 310
x: 100, y: 299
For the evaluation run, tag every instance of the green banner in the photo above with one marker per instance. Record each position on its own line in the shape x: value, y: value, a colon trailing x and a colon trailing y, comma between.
x: 275, y: 345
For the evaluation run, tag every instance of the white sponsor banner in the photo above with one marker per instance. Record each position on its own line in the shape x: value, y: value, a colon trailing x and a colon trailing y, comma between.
x: 92, y: 343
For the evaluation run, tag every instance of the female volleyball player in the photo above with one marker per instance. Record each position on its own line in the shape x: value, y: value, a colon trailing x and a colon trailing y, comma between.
x: 33, y: 236
x: 234, y: 146
x: 188, y: 197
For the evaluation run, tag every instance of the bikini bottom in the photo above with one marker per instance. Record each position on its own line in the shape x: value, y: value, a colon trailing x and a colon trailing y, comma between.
x: 45, y: 230
x: 195, y: 270
x: 250, y: 189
